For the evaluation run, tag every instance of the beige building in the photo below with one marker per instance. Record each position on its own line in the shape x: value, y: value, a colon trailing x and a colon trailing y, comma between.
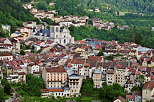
x: 110, y: 77
x: 148, y: 91
x: 62, y: 92
x: 75, y: 83
x: 54, y: 77
x: 97, y: 78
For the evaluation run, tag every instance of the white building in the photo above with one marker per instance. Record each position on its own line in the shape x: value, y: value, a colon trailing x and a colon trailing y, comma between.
x: 56, y: 34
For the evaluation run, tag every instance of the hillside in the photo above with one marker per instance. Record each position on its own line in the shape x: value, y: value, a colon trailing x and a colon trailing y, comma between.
x: 12, y: 13
x: 73, y: 6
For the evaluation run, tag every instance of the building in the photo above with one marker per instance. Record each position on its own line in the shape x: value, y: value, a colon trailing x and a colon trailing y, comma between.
x: 75, y: 83
x: 97, y: 78
x: 148, y: 91
x: 62, y: 92
x: 6, y: 56
x: 30, y: 24
x: 120, y: 99
x: 56, y: 34
x: 110, y: 77
x: 54, y: 77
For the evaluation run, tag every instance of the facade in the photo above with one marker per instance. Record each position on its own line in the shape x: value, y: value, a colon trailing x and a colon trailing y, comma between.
x: 97, y: 78
x: 110, y: 77
x: 6, y: 56
x: 56, y: 34
x: 148, y: 91
x: 54, y: 77
x: 62, y: 92
x: 75, y: 82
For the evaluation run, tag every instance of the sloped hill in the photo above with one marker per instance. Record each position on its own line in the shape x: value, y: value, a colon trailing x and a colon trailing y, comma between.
x: 12, y: 13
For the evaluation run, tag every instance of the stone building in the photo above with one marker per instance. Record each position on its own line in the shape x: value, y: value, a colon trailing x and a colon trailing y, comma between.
x: 56, y: 34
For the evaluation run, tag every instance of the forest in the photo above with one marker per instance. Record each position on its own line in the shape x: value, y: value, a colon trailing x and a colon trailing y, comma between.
x: 12, y: 13
x: 139, y: 35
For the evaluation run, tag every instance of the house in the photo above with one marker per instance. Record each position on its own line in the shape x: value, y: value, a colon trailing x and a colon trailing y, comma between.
x: 54, y: 77
x: 6, y: 28
x: 20, y: 77
x: 130, y: 98
x: 49, y: 15
x: 110, y: 77
x: 120, y: 99
x: 6, y: 56
x: 32, y: 68
x: 152, y: 28
x: 65, y: 23
x: 97, y: 10
x: 148, y: 91
x: 75, y: 82
x: 76, y: 66
x: 97, y: 78
x: 6, y: 47
x: 61, y: 92
x: 133, y: 98
x: 30, y: 24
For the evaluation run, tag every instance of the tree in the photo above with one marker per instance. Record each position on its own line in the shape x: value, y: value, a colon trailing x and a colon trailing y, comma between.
x: 141, y: 79
x: 87, y: 88
x: 100, y: 52
x: 138, y: 38
x: 1, y: 94
x: 109, y: 92
x: 22, y: 52
x: 7, y: 88
x: 34, y: 85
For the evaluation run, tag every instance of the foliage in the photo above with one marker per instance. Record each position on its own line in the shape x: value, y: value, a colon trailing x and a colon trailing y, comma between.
x: 1, y: 94
x: 7, y: 88
x: 43, y: 5
x: 106, y: 93
x: 87, y: 88
x: 34, y: 85
x: 100, y: 52
x: 31, y: 88
x: 110, y: 92
x: 49, y: 21
x: 6, y: 85
x: 22, y: 52
x: 126, y: 35
x: 39, y: 99
x: 39, y: 51
x: 136, y: 88
x: 12, y: 13
x: 141, y: 79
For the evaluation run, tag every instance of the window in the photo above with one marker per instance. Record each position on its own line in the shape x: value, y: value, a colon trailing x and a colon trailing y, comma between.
x: 57, y: 29
x: 64, y: 41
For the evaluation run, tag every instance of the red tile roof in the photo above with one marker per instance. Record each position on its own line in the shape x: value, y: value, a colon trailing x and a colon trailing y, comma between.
x: 5, y: 54
x: 95, y: 58
x: 130, y: 96
x: 53, y: 90
x: 21, y: 73
x: 77, y: 61
x: 149, y: 85
x: 121, y: 99
x: 56, y: 69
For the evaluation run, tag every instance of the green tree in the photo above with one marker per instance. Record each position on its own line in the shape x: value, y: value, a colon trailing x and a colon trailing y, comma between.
x: 87, y: 88
x: 7, y: 88
x: 138, y: 38
x: 1, y: 94
x: 22, y: 52
x: 34, y: 85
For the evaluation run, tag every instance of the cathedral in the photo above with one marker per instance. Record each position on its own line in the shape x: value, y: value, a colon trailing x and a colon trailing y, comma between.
x: 56, y: 34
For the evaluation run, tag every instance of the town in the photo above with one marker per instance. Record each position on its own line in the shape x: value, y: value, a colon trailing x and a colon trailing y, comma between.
x: 63, y: 62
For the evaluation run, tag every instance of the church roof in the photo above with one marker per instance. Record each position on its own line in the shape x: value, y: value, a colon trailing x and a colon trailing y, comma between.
x: 44, y: 32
